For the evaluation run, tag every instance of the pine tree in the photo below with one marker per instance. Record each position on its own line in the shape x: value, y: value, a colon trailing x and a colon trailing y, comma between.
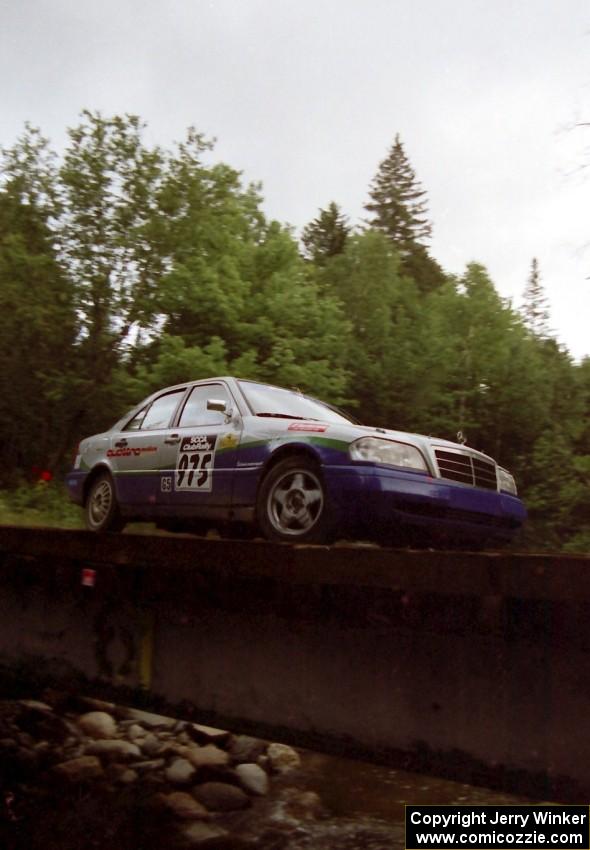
x: 535, y: 310
x: 326, y: 235
x: 397, y: 202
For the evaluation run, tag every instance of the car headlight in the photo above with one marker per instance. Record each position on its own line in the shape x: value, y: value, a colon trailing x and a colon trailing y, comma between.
x: 506, y: 481
x: 376, y: 450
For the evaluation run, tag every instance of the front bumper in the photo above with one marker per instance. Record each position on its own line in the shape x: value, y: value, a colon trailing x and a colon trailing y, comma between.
x: 74, y: 481
x: 369, y: 496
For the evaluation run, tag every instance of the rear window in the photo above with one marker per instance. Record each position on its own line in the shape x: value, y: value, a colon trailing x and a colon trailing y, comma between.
x: 157, y: 415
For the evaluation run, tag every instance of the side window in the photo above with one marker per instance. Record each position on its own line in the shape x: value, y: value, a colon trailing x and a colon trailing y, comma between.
x: 161, y: 410
x: 137, y: 421
x: 195, y: 410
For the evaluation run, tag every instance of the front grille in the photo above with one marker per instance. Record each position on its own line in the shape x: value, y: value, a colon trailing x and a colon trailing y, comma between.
x: 463, y: 467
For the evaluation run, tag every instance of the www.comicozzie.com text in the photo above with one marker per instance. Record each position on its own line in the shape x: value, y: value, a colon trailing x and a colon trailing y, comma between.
x: 497, y: 818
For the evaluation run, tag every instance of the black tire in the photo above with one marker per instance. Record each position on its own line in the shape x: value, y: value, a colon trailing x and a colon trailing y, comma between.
x: 293, y: 504
x: 102, y: 509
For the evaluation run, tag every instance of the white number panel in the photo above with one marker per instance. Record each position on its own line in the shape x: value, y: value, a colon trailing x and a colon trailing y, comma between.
x: 194, y: 465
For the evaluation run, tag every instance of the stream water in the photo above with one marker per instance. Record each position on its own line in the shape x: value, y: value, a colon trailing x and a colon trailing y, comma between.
x: 355, y: 788
x: 364, y: 803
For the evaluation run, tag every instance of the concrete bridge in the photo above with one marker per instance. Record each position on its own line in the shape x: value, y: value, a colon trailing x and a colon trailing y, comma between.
x: 472, y: 666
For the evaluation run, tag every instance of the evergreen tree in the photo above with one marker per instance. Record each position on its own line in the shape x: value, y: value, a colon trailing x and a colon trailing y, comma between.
x: 398, y: 203
x: 535, y: 311
x: 326, y: 235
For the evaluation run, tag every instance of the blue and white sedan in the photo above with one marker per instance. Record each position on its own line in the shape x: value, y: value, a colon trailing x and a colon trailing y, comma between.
x: 242, y: 454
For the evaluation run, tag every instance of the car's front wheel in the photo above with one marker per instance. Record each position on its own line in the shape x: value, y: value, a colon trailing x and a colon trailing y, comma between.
x: 293, y: 504
x: 102, y: 510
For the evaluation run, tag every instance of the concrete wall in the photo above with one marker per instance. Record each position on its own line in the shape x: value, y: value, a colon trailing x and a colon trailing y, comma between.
x: 474, y: 666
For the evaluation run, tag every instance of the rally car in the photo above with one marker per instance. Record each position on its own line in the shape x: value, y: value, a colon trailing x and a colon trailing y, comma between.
x: 244, y: 454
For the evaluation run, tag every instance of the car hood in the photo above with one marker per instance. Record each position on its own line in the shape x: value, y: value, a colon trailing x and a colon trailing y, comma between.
x: 426, y: 443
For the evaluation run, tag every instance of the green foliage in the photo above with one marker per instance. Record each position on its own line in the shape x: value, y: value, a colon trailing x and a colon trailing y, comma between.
x: 39, y: 504
x: 177, y: 362
x: 398, y: 209
x: 559, y: 497
x: 108, y: 230
x: 397, y: 202
x: 326, y: 235
x: 535, y: 311
x: 249, y: 308
x: 37, y: 335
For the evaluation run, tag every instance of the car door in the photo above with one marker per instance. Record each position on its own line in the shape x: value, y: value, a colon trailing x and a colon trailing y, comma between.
x: 137, y: 452
x: 200, y: 453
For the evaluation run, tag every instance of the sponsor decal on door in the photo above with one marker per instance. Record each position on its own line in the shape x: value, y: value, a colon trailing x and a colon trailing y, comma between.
x: 194, y: 465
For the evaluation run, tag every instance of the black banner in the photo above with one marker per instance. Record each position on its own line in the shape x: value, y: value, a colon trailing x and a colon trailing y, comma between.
x: 480, y: 827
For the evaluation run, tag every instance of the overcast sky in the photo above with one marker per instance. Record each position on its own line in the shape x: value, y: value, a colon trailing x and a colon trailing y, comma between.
x: 307, y: 96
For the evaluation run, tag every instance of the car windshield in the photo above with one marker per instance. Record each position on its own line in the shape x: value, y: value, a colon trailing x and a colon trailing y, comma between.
x: 287, y: 404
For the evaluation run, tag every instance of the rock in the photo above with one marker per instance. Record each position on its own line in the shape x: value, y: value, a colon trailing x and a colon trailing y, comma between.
x: 152, y: 764
x: 302, y: 805
x: 93, y: 704
x: 46, y: 725
x: 283, y: 758
x: 180, y: 772
x: 98, y: 724
x: 207, y: 756
x: 253, y: 779
x: 72, y: 729
x: 183, y: 738
x: 221, y: 797
x: 136, y: 733
x: 182, y: 805
x: 74, y: 752
x: 245, y: 748
x: 121, y: 773
x: 171, y: 748
x: 197, y: 833
x: 149, y: 720
x: 114, y: 771
x: 114, y: 749
x: 36, y: 706
x: 25, y: 740
x: 128, y: 776
x: 150, y: 745
x: 79, y: 770
x: 8, y: 745
x: 208, y: 735
x: 150, y: 778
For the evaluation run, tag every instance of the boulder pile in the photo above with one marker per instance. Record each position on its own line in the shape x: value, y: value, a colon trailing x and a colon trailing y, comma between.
x: 96, y: 762
x: 80, y: 774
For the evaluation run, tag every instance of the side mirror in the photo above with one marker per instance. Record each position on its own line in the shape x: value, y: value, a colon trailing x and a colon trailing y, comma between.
x: 220, y: 406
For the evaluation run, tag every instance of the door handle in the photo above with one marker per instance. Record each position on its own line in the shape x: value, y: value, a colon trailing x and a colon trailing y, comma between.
x: 172, y: 439
x: 121, y: 443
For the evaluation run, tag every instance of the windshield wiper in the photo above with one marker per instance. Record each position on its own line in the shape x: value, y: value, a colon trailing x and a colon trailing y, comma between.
x: 285, y: 416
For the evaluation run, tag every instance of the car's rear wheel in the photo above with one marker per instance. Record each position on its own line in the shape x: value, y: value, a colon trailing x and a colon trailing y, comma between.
x: 293, y: 504
x: 102, y: 510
